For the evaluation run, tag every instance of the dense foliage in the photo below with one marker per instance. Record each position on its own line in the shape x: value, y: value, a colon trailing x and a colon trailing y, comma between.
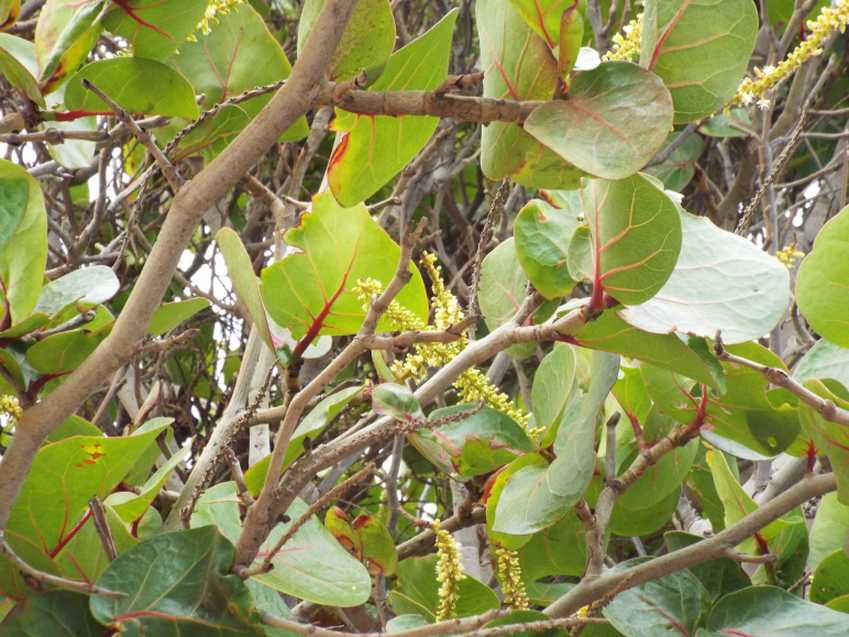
x: 332, y: 317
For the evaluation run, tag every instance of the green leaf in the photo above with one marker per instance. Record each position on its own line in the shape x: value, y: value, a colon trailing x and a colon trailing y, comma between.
x: 557, y: 550
x: 170, y: 315
x: 615, y: 118
x: 670, y: 605
x: 65, y: 33
x: 822, y: 283
x: 477, y: 444
x: 405, y: 622
x: 416, y: 591
x: 720, y: 576
x: 86, y: 286
x: 312, y: 290
x: 831, y: 439
x: 310, y: 427
x: 701, y: 49
x: 677, y: 171
x: 130, y: 506
x: 553, y: 383
x: 610, y: 333
x: 366, y: 42
x: 398, y: 401
x: 14, y: 193
x: 135, y: 84
x: 823, y: 361
x: 502, y: 285
x: 17, y: 64
x: 24, y: 255
x: 223, y: 63
x: 366, y: 537
x: 312, y: 565
x: 241, y: 272
x: 64, y: 476
x: 517, y: 65
x: 660, y: 479
x: 829, y: 530
x: 831, y: 578
x: 766, y: 610
x: 735, y: 123
x: 536, y: 496
x: 53, y: 614
x: 718, y: 275
x: 635, y: 236
x: 542, y: 234
x: 175, y: 584
x: 372, y: 149
x: 643, y: 521
x: 493, y: 490
x: 154, y: 30
x: 63, y: 352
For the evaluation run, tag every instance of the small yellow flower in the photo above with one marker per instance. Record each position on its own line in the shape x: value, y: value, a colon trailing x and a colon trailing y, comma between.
x: 508, y: 572
x: 626, y: 47
x: 829, y: 21
x: 214, y: 10
x: 449, y: 572
x: 789, y: 254
x: 11, y: 406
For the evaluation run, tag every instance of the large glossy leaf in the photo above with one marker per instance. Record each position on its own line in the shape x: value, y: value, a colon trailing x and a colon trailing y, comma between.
x: 416, y: 591
x: 635, y: 237
x: 829, y: 530
x: 517, y: 65
x: 24, y: 255
x: 86, y: 286
x: 831, y: 439
x: 224, y: 63
x: 17, y: 63
x: 241, y: 272
x: 64, y: 476
x: 822, y: 284
x: 669, y: 606
x: 824, y: 360
x: 64, y: 35
x: 312, y: 566
x: 176, y: 584
x: 366, y: 43
x: 613, y: 121
x: 155, y: 29
x: 700, y: 48
x: 135, y: 84
x: 477, y: 444
x: 553, y: 384
x: 53, y: 614
x: 721, y: 282
x: 372, y: 149
x: 312, y: 290
x: 766, y: 610
x: 170, y: 315
x: 542, y: 233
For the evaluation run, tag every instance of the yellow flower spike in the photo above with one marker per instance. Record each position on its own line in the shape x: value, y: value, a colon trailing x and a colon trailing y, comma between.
x: 449, y: 572
x: 626, y: 47
x: 789, y: 254
x: 11, y: 406
x: 829, y: 21
x: 214, y: 9
x: 508, y: 572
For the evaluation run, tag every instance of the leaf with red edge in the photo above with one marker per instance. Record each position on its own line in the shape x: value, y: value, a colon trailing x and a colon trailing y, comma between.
x: 154, y: 29
x: 65, y: 33
x: 517, y: 65
x: 311, y: 292
x: 635, y: 238
x: 831, y: 439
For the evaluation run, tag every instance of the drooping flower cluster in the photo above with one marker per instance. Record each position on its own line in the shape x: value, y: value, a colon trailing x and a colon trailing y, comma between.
x: 829, y: 21
x: 214, y: 9
x: 472, y: 385
x: 449, y: 572
x: 626, y: 45
x: 508, y: 571
x: 11, y: 407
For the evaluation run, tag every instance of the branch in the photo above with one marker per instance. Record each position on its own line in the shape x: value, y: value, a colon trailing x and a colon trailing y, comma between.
x: 294, y: 99
x: 591, y: 590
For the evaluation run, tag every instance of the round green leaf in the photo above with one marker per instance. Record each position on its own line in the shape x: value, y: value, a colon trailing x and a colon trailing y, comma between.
x: 822, y: 285
x: 17, y: 63
x: 613, y: 121
x: 135, y: 84
x: 831, y: 578
x: 701, y: 50
x: 635, y: 236
x: 155, y: 29
x: 92, y: 285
